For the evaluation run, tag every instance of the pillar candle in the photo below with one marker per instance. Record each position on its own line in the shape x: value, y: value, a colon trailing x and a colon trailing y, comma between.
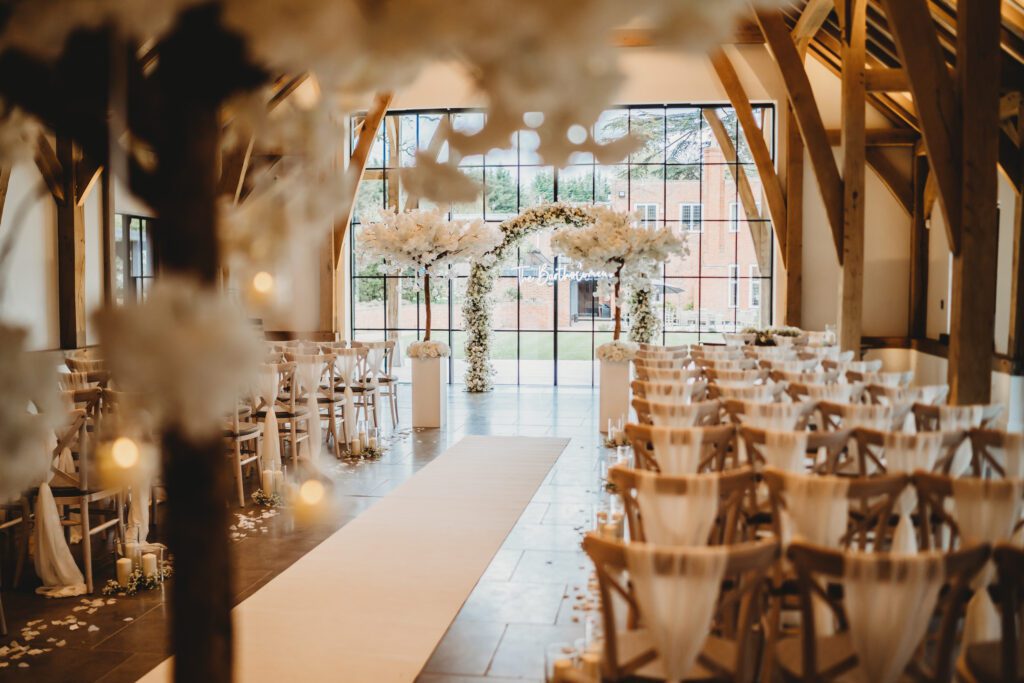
x: 561, y: 671
x: 133, y: 552
x: 278, y: 481
x: 373, y: 442
x: 610, y: 531
x: 355, y: 446
x: 267, y: 482
x: 149, y: 564
x: 124, y: 570
x: 363, y: 442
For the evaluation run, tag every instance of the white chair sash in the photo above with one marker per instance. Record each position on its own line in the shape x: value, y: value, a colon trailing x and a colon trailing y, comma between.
x: 785, y: 450
x: 677, y: 375
x: 268, y: 388
x: 678, y: 451
x: 835, y: 393
x: 908, y: 453
x: 674, y: 414
x: 675, y: 392
x: 309, y: 374
x: 1010, y: 455
x: 960, y: 419
x: 759, y: 393
x: 986, y: 511
x: 864, y: 366
x: 777, y: 416
x: 677, y: 519
x: 676, y: 595
x: 54, y: 564
x: 889, y: 614
x: 347, y: 364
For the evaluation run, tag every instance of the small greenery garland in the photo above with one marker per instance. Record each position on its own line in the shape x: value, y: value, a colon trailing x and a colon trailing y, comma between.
x: 644, y: 324
x: 477, y: 310
x: 268, y: 501
x: 137, y: 581
x: 367, y: 453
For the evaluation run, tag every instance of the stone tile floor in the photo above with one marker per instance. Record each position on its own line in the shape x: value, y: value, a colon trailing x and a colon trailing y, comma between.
x: 524, y: 602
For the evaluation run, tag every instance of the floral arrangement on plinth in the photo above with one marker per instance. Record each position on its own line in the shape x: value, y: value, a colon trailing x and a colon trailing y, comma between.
x: 644, y: 324
x: 425, y: 242
x: 765, y: 336
x: 615, y: 243
x: 137, y: 581
x: 261, y: 498
x: 617, y: 351
x: 428, y: 349
x: 476, y: 307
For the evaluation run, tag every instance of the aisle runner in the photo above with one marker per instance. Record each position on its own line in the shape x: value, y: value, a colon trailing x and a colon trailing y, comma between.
x: 372, y: 601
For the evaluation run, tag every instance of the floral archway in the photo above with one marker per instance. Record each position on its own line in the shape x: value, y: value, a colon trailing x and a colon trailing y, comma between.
x: 476, y: 309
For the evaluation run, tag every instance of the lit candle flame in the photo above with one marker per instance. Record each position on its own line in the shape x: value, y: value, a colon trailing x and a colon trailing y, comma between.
x: 125, y: 452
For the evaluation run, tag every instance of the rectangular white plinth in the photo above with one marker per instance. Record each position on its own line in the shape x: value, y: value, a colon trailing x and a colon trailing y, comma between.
x: 429, y: 395
x: 614, y: 392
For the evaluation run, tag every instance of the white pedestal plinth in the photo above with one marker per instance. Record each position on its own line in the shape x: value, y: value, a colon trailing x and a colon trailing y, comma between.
x: 614, y: 393
x: 429, y: 398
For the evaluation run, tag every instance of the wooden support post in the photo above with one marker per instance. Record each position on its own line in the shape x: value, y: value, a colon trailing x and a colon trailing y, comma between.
x: 886, y: 80
x: 70, y: 249
x: 794, y: 220
x: 919, y: 252
x: 851, y: 283
x: 107, y: 232
x: 1015, y: 348
x: 973, y: 305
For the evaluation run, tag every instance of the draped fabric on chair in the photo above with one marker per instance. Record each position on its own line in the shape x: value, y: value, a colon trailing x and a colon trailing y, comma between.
x: 54, y: 564
x: 986, y: 511
x: 959, y: 419
x: 677, y: 519
x: 1010, y: 455
x: 776, y: 416
x: 309, y: 372
x: 675, y: 392
x: 268, y: 390
x: 908, y: 453
x: 889, y: 609
x: 785, y: 450
x: 817, y: 509
x: 838, y: 393
x: 674, y: 414
x: 347, y: 364
x: 677, y: 451
x: 677, y: 591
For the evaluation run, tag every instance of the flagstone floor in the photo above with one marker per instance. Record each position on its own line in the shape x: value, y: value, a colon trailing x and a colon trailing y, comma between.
x: 528, y: 598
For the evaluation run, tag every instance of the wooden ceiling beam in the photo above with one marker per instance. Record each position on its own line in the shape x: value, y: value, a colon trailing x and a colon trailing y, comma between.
x: 814, y: 15
x: 746, y: 33
x: 936, y: 100
x: 808, y: 116
x: 49, y: 167
x: 886, y: 80
x: 770, y: 183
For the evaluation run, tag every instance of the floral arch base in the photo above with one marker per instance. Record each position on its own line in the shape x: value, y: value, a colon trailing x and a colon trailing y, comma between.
x: 476, y: 309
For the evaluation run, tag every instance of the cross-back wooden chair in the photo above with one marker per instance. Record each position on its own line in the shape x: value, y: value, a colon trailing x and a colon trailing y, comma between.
x: 78, y: 491
x: 655, y: 355
x: 84, y: 360
x: 938, y: 524
x: 802, y: 411
x: 756, y: 376
x: 289, y: 408
x: 996, y: 453
x: 729, y: 654
x: 704, y: 412
x: 892, y: 379
x: 242, y: 435
x: 668, y: 391
x: 806, y: 376
x: 733, y: 487
x: 718, y: 446
x: 739, y: 391
x: 646, y: 373
x: 1000, y: 661
x: 803, y: 391
x: 387, y: 382
x: 844, y: 415
x: 810, y: 657
x: 828, y: 451
x: 684, y: 348
x: 364, y: 396
x: 742, y: 363
x: 871, y: 450
x: 881, y: 394
x: 928, y: 417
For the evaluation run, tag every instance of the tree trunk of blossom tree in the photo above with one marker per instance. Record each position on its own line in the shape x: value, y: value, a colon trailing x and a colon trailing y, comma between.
x: 426, y: 295
x: 618, y: 306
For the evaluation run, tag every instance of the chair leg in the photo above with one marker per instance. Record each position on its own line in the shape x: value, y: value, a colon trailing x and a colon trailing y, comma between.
x: 240, y: 484
x: 393, y: 395
x: 86, y: 542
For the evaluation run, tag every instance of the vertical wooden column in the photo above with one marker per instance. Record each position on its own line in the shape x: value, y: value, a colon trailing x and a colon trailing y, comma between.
x: 919, y: 251
x: 794, y: 220
x: 70, y: 249
x: 972, y: 333
x: 107, y: 232
x: 851, y: 285
x: 1015, y: 348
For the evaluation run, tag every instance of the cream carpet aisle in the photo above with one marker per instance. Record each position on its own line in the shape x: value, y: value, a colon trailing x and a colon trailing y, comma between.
x: 372, y: 601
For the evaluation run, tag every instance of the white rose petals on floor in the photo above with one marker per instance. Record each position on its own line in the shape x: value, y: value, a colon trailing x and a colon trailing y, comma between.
x: 373, y: 600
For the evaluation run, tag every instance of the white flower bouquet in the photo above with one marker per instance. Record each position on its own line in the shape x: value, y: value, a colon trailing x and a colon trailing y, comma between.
x: 428, y: 349
x: 617, y: 351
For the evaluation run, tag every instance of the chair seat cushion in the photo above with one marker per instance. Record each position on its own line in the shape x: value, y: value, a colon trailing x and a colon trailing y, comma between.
x: 984, y: 661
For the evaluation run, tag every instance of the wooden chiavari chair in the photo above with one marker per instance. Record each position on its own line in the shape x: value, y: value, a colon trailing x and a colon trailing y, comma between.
x: 997, y: 453
x: 727, y: 653
x: 939, y: 526
x: 928, y: 417
x: 800, y: 412
x: 700, y: 413
x: 827, y: 450
x: 290, y: 410
x: 764, y: 393
x: 718, y: 446
x: 733, y: 488
x: 670, y: 391
x: 871, y: 450
x: 806, y: 376
x: 1000, y: 661
x: 832, y: 658
x: 758, y: 376
x: 646, y: 373
x: 801, y: 391
x: 844, y: 415
x: 891, y: 379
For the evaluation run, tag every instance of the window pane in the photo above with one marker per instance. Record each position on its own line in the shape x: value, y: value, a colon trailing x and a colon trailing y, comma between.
x: 576, y: 184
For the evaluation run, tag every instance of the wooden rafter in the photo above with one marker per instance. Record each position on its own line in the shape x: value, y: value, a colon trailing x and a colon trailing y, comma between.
x: 755, y: 141
x: 814, y: 15
x: 794, y: 220
x: 881, y: 79
x: 936, y: 100
x: 357, y: 164
x: 1015, y: 348
x: 808, y: 116
x: 49, y: 167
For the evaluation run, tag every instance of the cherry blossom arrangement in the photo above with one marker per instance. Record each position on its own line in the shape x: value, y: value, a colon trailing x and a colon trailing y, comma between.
x: 616, y: 244
x: 427, y: 243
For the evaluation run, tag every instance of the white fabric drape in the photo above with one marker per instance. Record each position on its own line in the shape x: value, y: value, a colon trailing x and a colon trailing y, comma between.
x: 677, y: 519
x: 64, y: 474
x: 960, y: 419
x: 836, y: 393
x: 986, y: 511
x: 817, y: 510
x: 268, y: 388
x: 670, y: 374
x: 309, y: 373
x: 674, y: 414
x: 138, y: 511
x: 1010, y: 455
x: 677, y: 451
x: 677, y: 592
x: 675, y: 392
x: 54, y: 564
x: 777, y: 416
x: 785, y: 450
x: 758, y: 393
x: 907, y: 453
x: 889, y: 614
x: 347, y: 369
